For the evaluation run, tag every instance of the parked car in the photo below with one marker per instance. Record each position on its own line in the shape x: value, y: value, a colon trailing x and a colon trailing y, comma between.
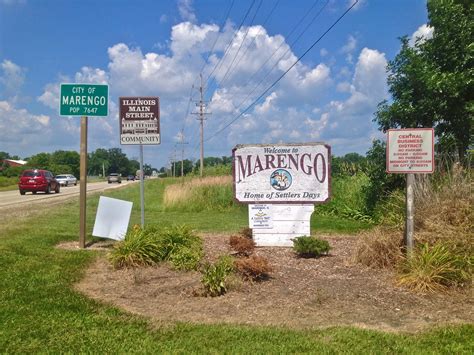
x: 35, y: 180
x: 66, y: 179
x: 131, y: 177
x: 114, y: 177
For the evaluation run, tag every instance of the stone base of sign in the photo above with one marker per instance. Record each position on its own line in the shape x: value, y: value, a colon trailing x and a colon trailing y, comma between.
x: 289, y: 221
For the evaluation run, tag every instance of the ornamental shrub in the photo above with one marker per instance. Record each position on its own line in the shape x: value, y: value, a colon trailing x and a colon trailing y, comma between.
x: 254, y: 267
x: 310, y: 247
x: 214, y: 276
x: 149, y: 246
x: 434, y: 268
x: 242, y: 245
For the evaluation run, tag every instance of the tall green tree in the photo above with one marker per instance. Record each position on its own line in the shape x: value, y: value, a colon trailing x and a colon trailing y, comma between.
x: 65, y: 162
x: 432, y: 82
x: 98, y: 162
x: 40, y: 161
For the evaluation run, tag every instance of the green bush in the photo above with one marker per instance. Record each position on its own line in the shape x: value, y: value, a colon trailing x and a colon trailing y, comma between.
x: 434, y: 268
x: 139, y: 248
x: 186, y: 258
x: 310, y: 247
x: 176, y: 244
x: 215, y: 170
x: 214, y: 276
x: 347, y: 198
x: 380, y: 184
x: 8, y: 181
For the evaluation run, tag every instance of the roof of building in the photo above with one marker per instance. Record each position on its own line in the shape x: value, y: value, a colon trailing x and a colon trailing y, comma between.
x: 21, y: 162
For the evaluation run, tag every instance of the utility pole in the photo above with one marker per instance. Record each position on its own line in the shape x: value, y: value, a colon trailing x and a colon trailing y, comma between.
x: 174, y: 161
x: 171, y: 166
x: 182, y: 142
x: 201, y: 118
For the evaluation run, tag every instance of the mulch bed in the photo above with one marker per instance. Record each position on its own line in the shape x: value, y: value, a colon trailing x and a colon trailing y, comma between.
x: 300, y: 294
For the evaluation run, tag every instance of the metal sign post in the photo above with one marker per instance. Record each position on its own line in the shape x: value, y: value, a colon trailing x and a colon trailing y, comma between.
x: 140, y: 124
x: 142, y: 188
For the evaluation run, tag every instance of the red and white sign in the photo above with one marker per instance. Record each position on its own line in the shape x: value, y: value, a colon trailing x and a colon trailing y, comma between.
x: 410, y: 150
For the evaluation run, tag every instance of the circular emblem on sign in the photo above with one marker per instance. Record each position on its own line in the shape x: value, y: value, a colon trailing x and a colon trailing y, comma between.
x: 280, y: 179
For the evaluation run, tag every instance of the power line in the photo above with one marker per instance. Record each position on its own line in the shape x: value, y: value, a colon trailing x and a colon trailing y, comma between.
x: 283, y: 55
x: 240, y: 47
x: 230, y: 43
x: 218, y: 35
x: 281, y: 44
x: 260, y: 29
x: 281, y: 76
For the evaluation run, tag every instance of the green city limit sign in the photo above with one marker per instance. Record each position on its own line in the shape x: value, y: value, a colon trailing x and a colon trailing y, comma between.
x: 84, y: 100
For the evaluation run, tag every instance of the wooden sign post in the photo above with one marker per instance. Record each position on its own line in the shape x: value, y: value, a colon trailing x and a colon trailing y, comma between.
x: 410, y: 151
x: 83, y: 100
x: 83, y: 183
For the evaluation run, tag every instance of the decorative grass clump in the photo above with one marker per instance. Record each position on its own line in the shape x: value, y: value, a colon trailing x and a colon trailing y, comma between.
x: 140, y: 247
x: 444, y: 221
x: 149, y: 246
x: 212, y: 193
x: 254, y: 267
x: 434, y: 268
x: 214, y: 276
x: 380, y: 247
x: 242, y: 245
x: 310, y: 247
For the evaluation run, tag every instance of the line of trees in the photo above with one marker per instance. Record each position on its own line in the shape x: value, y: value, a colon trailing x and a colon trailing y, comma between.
x: 192, y: 167
x: 100, y: 162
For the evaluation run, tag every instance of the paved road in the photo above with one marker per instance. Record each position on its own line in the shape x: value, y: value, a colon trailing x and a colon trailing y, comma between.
x: 13, y: 198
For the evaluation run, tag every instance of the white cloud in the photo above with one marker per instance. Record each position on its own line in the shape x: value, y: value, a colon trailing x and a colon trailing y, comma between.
x: 350, y: 45
x: 296, y: 109
x: 21, y: 129
x: 370, y: 74
x: 87, y: 75
x: 12, y: 79
x: 349, y: 48
x: 360, y: 4
x: 267, y: 105
x: 349, y: 122
x: 423, y: 33
x: 343, y: 87
x: 187, y: 37
x: 186, y: 11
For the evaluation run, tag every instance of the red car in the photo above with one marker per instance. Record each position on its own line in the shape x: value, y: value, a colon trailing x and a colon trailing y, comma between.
x: 38, y: 180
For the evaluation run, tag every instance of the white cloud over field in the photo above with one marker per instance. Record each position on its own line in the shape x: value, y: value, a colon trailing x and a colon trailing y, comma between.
x: 301, y: 108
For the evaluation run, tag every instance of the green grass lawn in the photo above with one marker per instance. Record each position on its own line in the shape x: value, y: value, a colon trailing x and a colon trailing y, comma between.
x: 40, y: 311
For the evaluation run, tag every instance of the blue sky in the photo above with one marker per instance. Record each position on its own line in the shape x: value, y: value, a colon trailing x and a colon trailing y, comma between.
x: 158, y: 48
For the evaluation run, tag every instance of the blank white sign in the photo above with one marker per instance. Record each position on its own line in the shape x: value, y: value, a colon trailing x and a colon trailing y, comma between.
x: 112, y: 218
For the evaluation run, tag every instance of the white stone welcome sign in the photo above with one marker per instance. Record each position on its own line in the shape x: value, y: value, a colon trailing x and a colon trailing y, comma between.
x: 281, y: 183
x: 288, y: 221
x: 283, y: 173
